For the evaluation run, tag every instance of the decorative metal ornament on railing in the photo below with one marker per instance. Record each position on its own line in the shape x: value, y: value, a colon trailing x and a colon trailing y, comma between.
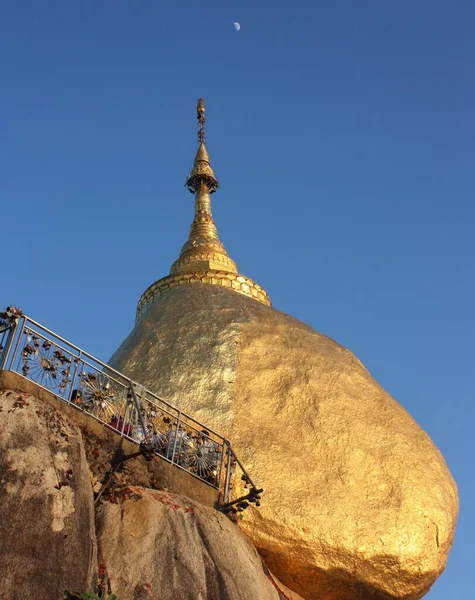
x: 99, y: 396
x: 10, y: 315
x: 44, y: 363
x: 133, y: 412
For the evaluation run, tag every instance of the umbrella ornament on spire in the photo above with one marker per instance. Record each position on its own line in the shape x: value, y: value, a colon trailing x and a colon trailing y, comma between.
x: 202, y: 174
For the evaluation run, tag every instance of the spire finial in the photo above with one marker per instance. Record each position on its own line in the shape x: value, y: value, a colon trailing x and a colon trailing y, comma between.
x: 200, y: 109
x: 202, y: 173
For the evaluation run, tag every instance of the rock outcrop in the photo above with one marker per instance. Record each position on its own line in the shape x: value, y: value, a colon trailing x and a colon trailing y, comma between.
x: 160, y: 545
x: 48, y: 542
x: 149, y: 543
x: 358, y: 501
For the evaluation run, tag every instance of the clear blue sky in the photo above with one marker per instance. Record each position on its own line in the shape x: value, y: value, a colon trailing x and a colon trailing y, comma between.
x: 343, y: 135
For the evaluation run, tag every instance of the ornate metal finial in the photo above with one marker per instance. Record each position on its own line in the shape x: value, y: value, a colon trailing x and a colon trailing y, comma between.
x: 202, y: 174
x: 200, y: 109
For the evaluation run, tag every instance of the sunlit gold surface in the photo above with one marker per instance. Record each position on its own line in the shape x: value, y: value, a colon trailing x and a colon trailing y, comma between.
x: 236, y: 283
x: 358, y: 502
x: 202, y: 164
x: 203, y: 250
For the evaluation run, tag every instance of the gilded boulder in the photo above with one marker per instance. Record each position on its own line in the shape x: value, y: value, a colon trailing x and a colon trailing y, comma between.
x: 358, y: 501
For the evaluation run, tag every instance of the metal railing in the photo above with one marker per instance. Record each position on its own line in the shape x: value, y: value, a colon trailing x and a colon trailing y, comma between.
x: 76, y: 378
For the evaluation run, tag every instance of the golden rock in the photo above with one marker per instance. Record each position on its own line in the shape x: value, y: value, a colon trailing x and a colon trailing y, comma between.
x: 358, y: 502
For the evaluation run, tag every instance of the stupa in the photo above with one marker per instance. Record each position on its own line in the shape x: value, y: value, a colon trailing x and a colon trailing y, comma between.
x: 358, y: 502
x: 203, y: 259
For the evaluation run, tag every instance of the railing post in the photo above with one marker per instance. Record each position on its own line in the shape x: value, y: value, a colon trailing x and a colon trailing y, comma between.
x: 221, y: 464
x: 228, y: 473
x: 9, y: 343
x: 73, y: 378
x: 175, y: 437
x: 139, y: 411
x: 18, y: 337
x: 127, y: 411
x: 10, y: 332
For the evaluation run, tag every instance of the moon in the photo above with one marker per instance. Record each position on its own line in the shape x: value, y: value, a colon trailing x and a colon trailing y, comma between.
x: 237, y: 26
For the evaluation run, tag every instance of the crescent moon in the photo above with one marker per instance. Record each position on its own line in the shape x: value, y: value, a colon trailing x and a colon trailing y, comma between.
x: 237, y: 26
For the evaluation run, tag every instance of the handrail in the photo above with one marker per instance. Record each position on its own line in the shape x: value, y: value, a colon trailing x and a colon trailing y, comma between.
x: 77, y: 378
x: 109, y: 368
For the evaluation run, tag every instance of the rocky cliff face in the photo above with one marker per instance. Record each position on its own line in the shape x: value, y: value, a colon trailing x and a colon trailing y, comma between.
x: 159, y: 545
x: 149, y: 543
x: 48, y: 542
x: 358, y: 502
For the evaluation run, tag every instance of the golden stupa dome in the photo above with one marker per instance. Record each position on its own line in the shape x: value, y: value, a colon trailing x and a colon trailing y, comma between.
x: 358, y: 502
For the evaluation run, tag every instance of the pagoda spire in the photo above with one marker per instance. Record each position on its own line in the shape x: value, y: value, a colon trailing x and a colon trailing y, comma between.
x: 203, y: 258
x: 203, y: 250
